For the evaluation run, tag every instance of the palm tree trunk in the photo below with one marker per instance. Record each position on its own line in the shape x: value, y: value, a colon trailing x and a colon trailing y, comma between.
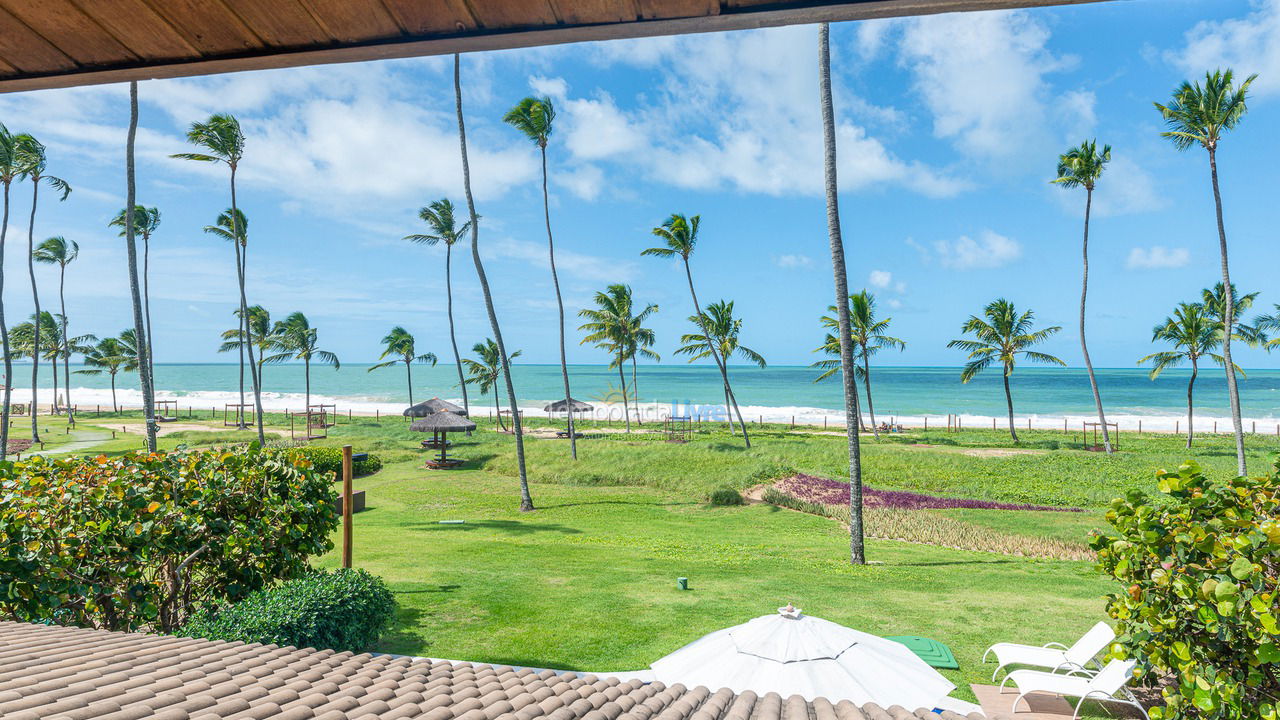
x: 306, y: 374
x: 857, y: 552
x: 715, y: 355
x: 526, y: 500
x: 626, y: 414
x: 635, y: 388
x: 866, y: 381
x: 56, y: 407
x: 1008, y: 398
x: 115, y: 406
x: 1190, y: 388
x: 1228, y: 321
x: 146, y: 304
x: 1084, y: 348
x: 244, y: 334
x: 66, y: 345
x: 497, y: 406
x: 144, y: 356
x: 453, y: 338
x: 244, y: 312
x: 35, y: 298
x: 4, y: 336
x: 408, y: 374
x: 555, y: 282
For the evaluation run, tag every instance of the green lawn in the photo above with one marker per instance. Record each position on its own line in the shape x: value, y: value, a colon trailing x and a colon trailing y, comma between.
x: 588, y: 580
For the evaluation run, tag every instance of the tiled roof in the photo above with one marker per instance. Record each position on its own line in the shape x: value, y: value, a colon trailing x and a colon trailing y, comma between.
x: 58, y: 673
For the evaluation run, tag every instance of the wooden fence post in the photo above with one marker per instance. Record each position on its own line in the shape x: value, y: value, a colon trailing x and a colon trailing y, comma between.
x: 346, y: 506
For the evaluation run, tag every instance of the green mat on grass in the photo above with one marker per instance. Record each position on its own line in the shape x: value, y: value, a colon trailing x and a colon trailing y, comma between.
x: 931, y: 651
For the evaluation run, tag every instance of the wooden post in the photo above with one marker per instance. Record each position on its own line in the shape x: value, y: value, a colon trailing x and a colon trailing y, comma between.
x: 1255, y: 428
x: 926, y: 422
x: 1215, y: 427
x: 1028, y: 423
x: 346, y: 506
x: 1064, y: 426
x: 1139, y: 427
x: 993, y: 423
x: 377, y: 415
x: 824, y: 425
x: 1176, y: 425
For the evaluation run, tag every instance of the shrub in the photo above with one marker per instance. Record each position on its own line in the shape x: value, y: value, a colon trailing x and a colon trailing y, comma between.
x: 341, y: 610
x: 328, y: 460
x: 146, y: 539
x: 1199, y: 570
x: 726, y: 496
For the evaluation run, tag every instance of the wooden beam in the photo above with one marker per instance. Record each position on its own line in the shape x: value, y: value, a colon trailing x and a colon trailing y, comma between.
x: 740, y: 17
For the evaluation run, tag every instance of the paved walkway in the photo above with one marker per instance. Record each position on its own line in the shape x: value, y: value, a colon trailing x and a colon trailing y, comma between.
x: 81, y: 440
x: 1042, y: 707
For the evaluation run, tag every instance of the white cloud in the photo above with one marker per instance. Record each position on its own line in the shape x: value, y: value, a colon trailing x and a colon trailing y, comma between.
x: 1157, y: 257
x: 1249, y: 44
x: 880, y: 279
x: 793, y: 261
x: 989, y: 250
x: 584, y: 181
x: 982, y: 76
x: 598, y: 129
x: 555, y: 88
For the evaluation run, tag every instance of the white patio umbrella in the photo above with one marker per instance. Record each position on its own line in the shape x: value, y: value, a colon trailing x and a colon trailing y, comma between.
x: 791, y: 653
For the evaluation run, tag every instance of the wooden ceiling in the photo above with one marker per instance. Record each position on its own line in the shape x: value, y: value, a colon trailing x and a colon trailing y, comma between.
x: 61, y: 43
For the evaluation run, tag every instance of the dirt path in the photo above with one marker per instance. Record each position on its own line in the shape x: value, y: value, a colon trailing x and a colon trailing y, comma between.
x: 163, y: 429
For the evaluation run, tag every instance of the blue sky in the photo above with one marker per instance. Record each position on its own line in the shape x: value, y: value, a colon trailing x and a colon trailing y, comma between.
x: 949, y: 129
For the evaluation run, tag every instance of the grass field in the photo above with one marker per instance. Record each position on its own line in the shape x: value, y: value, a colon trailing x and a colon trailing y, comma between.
x: 588, y: 580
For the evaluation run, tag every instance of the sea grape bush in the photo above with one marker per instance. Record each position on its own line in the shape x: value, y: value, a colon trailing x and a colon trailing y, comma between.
x: 144, y: 540
x: 826, y: 491
x: 1199, y: 569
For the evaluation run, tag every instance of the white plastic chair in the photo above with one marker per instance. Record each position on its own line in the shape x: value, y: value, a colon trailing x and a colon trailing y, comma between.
x: 1109, y: 685
x: 1054, y: 656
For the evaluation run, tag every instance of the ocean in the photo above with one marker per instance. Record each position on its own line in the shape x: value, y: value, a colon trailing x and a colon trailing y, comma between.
x: 1044, y: 396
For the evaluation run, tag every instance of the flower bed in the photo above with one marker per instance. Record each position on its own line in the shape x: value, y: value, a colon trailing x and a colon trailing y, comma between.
x: 825, y: 491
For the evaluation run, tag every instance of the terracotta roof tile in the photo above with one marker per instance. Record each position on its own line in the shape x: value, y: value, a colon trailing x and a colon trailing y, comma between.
x: 58, y: 673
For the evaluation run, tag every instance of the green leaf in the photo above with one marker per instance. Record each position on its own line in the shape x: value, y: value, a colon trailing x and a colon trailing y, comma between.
x: 1242, y: 568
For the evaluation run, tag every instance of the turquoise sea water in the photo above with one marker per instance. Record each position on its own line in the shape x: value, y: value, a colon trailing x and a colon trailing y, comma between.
x: 775, y: 392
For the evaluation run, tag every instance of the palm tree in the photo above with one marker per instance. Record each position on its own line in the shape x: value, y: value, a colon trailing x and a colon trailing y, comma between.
x: 263, y: 336
x: 60, y: 251
x: 34, y: 162
x: 614, y: 328
x: 1081, y: 167
x: 1215, y: 304
x: 233, y: 226
x: 221, y: 136
x: 399, y: 343
x: 526, y: 500
x: 486, y: 372
x: 844, y: 336
x: 1194, y: 333
x: 1001, y: 338
x: 111, y: 355
x: 534, y: 118
x: 640, y: 342
x: 146, y: 221
x: 681, y: 237
x: 1199, y: 116
x: 440, y: 217
x: 719, y: 336
x: 10, y: 170
x: 300, y: 339
x: 869, y: 337
x: 25, y: 337
x: 145, y: 378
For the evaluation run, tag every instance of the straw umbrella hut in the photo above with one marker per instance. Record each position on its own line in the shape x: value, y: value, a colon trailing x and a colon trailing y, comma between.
x: 571, y: 406
x: 434, y: 405
x: 440, y: 425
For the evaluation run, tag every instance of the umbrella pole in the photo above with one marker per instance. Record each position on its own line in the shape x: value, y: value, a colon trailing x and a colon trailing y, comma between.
x: 444, y: 447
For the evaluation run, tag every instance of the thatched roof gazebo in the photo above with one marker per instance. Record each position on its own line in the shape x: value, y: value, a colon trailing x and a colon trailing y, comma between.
x: 432, y: 406
x: 572, y: 405
x: 440, y: 424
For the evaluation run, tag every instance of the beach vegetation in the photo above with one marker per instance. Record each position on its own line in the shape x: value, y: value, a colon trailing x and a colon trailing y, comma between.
x: 441, y: 219
x: 679, y: 235
x: 1198, y: 571
x: 485, y: 371
x: 719, y: 338
x: 60, y: 251
x: 145, y: 540
x: 400, y: 347
x: 222, y: 140
x: 1201, y: 115
x: 1081, y: 166
x: 300, y: 341
x: 264, y: 337
x: 110, y: 355
x: 343, y: 610
x: 1003, y: 336
x: 615, y: 327
x: 1194, y: 334
x: 869, y: 336
x: 146, y: 220
x: 726, y: 496
x: 534, y: 118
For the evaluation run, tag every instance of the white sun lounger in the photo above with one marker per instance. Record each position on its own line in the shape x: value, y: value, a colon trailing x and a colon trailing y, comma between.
x: 1107, y: 686
x: 1054, y: 656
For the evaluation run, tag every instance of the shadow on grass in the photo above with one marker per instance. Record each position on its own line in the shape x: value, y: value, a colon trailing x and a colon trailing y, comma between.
x: 510, y: 527
x: 431, y: 589
x: 646, y: 503
x: 941, y: 563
